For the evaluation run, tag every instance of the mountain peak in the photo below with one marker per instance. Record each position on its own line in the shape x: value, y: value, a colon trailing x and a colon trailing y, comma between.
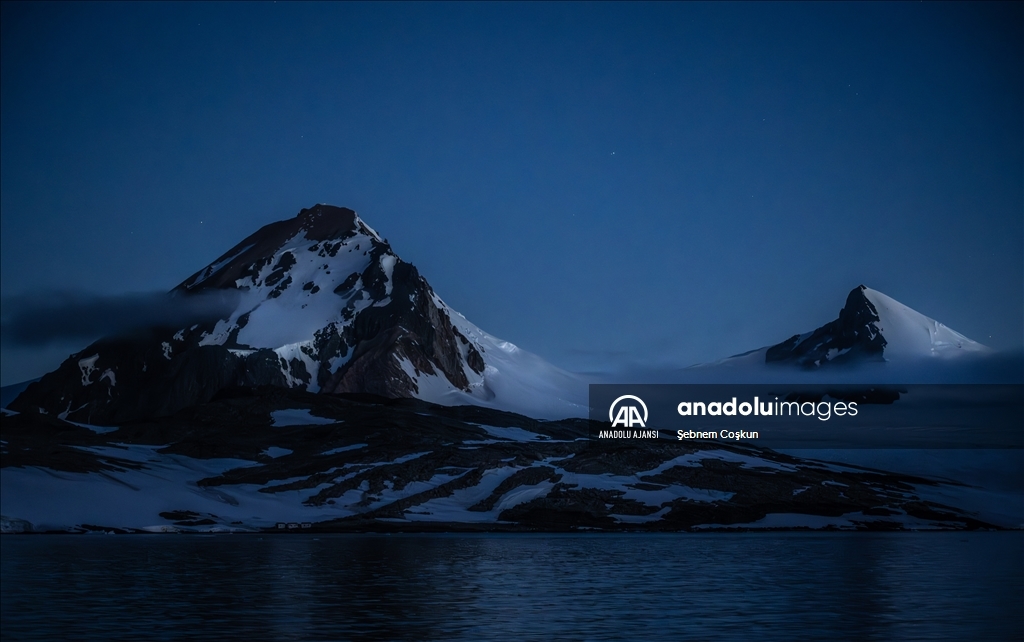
x: 318, y: 223
x: 872, y: 327
x: 853, y: 336
x: 324, y: 222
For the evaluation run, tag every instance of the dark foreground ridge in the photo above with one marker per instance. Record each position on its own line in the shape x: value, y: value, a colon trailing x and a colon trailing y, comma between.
x: 259, y: 459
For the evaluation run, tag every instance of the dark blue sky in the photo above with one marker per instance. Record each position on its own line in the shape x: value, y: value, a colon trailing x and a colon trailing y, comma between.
x: 599, y: 183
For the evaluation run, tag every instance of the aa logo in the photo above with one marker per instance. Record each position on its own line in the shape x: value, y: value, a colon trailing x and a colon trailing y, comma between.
x: 627, y: 414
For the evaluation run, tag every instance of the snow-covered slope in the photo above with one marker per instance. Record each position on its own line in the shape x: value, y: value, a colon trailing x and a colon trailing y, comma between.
x: 513, y: 379
x: 324, y: 305
x: 252, y: 461
x: 908, y: 333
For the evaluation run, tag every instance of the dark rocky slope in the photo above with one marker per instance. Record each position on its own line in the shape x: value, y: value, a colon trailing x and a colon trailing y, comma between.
x: 854, y: 336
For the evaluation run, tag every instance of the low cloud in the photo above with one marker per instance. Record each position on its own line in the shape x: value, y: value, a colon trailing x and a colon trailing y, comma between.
x: 48, y: 317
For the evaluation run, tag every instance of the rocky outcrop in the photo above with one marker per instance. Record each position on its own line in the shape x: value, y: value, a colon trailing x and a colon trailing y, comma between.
x: 854, y: 336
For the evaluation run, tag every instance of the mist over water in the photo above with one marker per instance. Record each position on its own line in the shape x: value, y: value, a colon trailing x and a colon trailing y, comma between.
x: 996, y: 367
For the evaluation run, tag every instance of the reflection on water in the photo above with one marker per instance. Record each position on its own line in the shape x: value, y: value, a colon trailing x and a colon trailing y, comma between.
x: 781, y: 586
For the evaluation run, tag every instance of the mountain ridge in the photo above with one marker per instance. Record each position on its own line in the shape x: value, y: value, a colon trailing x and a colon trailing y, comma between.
x: 324, y: 304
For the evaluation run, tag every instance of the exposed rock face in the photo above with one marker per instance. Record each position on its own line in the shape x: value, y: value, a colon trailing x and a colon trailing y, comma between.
x: 324, y: 305
x: 854, y: 336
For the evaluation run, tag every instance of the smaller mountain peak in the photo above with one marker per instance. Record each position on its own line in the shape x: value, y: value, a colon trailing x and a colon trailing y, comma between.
x: 872, y: 326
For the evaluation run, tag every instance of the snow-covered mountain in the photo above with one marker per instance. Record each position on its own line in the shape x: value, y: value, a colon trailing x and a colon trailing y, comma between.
x: 323, y: 304
x: 871, y: 327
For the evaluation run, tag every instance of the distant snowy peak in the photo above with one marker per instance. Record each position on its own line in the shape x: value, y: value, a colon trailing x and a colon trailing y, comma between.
x: 323, y: 305
x: 872, y: 327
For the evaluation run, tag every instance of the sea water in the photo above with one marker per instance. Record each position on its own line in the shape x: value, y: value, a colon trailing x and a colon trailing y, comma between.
x: 763, y: 586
